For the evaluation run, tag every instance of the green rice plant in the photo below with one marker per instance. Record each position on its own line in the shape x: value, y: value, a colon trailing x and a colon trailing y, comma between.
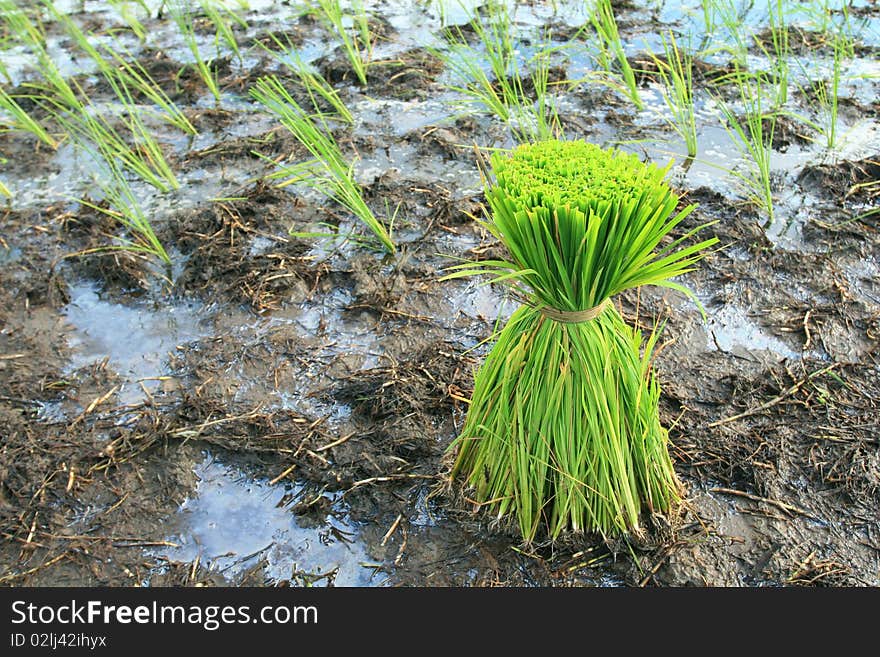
x: 845, y: 33
x: 181, y: 13
x: 563, y: 431
x: 328, y: 172
x: 127, y: 10
x: 314, y: 82
x: 221, y: 18
x: 781, y: 50
x: 66, y: 102
x: 91, y: 129
x: 823, y: 95
x: 21, y: 120
x: 124, y: 208
x: 610, y: 48
x: 824, y: 20
x: 733, y: 19
x: 4, y: 190
x: 709, y: 21
x: 357, y: 43
x: 123, y: 73
x: 827, y: 96
x: 19, y: 26
x: 752, y: 133
x: 31, y: 35
x: 501, y: 89
x: 676, y: 71
x: 136, y: 78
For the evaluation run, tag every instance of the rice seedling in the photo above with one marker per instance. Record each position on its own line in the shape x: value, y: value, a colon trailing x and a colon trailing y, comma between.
x: 90, y: 129
x: 502, y: 89
x: 314, y: 82
x: 127, y: 10
x: 136, y: 78
x: 781, y: 50
x: 87, y: 128
x: 181, y: 13
x: 358, y: 42
x: 328, y: 172
x: 832, y: 22
x: 610, y: 48
x: 733, y: 20
x: 563, y: 431
x: 124, y: 208
x: 826, y: 95
x: 66, y: 102
x: 32, y: 36
x: 4, y: 190
x: 21, y: 120
x: 823, y: 95
x: 19, y: 26
x: 124, y: 73
x: 677, y: 77
x: 752, y: 133
x: 709, y: 21
x: 221, y: 17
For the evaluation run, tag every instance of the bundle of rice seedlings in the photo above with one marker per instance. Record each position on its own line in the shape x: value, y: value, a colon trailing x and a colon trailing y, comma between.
x: 563, y: 429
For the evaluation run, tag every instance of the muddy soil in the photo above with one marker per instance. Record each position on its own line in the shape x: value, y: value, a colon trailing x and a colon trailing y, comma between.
x: 279, y: 410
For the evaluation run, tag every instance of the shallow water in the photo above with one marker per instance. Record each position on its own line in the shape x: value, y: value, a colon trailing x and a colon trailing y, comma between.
x: 137, y: 339
x: 233, y: 522
x: 731, y: 329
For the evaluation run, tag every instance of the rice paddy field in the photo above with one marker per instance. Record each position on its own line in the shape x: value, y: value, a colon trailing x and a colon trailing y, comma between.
x: 228, y: 355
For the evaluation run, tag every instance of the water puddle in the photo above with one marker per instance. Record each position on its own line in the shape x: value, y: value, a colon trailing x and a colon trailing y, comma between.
x: 9, y: 254
x: 731, y: 330
x: 481, y: 301
x: 136, y: 339
x: 234, y: 522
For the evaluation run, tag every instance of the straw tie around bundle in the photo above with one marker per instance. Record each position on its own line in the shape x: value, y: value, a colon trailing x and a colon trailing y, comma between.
x: 574, y: 316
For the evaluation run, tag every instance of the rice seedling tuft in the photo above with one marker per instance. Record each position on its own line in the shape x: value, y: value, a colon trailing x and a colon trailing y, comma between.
x: 563, y: 431
x: 328, y: 172
x: 21, y: 120
x: 709, y: 21
x: 823, y: 95
x: 516, y: 92
x: 90, y: 130
x: 752, y: 133
x: 676, y: 73
x: 88, y: 126
x: 123, y: 73
x: 4, y: 190
x: 128, y: 12
x: 610, y: 48
x: 357, y: 41
x: 222, y: 17
x: 315, y: 83
x: 124, y: 207
x: 733, y: 17
x: 781, y: 50
x: 181, y: 13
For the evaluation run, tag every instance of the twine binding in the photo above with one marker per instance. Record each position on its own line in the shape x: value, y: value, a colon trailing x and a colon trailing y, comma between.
x: 574, y: 316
